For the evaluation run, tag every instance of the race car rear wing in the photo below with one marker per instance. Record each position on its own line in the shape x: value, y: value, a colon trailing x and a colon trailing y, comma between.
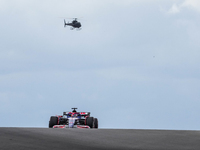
x: 81, y: 113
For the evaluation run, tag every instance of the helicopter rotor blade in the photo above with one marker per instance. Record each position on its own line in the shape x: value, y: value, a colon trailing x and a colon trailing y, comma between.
x: 75, y: 18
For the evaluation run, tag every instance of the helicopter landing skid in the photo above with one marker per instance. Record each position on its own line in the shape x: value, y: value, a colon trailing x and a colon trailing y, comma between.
x: 77, y: 29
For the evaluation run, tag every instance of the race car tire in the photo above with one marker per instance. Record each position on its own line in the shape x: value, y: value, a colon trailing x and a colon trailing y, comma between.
x: 90, y: 122
x: 53, y: 121
x: 96, y: 123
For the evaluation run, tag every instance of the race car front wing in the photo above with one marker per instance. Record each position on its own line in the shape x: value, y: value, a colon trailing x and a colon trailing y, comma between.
x: 75, y: 126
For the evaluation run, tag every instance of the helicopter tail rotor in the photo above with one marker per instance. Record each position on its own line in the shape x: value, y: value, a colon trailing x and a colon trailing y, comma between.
x: 65, y: 23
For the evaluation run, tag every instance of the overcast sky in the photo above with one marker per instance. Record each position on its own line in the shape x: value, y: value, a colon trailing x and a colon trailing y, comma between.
x: 134, y: 64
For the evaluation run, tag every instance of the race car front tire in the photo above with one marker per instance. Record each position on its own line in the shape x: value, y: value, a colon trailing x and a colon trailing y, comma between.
x: 96, y: 123
x: 90, y: 122
x: 53, y: 121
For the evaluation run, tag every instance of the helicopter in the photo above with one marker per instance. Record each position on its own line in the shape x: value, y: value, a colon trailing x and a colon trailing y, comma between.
x: 74, y: 24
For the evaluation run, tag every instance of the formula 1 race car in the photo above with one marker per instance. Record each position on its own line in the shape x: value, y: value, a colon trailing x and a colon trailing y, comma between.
x: 73, y: 119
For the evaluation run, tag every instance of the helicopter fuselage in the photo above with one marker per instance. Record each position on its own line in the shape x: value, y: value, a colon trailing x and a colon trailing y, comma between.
x: 74, y: 24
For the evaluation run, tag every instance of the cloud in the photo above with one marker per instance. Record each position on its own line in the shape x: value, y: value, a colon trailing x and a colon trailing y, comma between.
x: 188, y: 11
x: 187, y: 4
x: 193, y: 4
x: 174, y: 9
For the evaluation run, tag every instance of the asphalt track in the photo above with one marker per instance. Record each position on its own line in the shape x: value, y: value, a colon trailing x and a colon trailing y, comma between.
x: 97, y: 139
